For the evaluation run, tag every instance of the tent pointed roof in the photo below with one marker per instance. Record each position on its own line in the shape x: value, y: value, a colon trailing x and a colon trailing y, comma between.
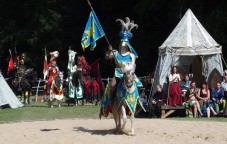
x: 189, y: 38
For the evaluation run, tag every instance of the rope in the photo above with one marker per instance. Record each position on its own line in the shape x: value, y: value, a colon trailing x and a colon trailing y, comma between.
x: 223, y: 60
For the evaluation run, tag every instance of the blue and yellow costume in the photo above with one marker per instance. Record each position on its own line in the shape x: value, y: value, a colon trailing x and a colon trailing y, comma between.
x: 121, y: 60
x: 122, y: 92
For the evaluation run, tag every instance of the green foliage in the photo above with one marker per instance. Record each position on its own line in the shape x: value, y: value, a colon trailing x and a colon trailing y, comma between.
x: 31, y: 25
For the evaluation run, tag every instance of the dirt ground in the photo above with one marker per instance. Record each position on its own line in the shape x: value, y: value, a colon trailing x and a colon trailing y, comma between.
x: 95, y: 131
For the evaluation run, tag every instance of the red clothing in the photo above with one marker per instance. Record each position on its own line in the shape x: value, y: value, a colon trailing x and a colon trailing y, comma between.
x: 53, y: 72
x: 175, y: 97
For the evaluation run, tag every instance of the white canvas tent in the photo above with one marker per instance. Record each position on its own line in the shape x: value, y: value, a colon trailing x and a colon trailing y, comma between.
x: 189, y: 46
x: 7, y: 96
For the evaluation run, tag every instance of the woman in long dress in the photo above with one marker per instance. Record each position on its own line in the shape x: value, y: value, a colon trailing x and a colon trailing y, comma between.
x: 174, y: 88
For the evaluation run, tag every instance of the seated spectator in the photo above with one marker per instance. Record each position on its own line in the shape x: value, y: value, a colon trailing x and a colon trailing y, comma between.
x: 204, y: 100
x: 191, y: 101
x: 185, y: 85
x: 225, y: 112
x: 224, y: 86
x: 217, y: 96
x: 157, y: 100
x: 148, y: 88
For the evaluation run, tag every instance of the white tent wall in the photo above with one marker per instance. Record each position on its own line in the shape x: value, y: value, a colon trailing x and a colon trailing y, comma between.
x: 165, y: 62
x: 213, y: 62
x: 7, y: 96
x: 162, y: 70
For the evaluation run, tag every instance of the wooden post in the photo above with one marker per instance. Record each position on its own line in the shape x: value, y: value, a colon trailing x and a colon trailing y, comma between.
x: 37, y: 90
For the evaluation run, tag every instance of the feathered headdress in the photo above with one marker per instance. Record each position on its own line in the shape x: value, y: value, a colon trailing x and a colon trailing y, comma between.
x: 126, y: 34
x: 126, y: 28
x: 54, y: 55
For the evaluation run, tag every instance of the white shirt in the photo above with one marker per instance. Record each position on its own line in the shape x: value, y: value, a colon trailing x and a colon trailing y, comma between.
x: 224, y: 85
x: 174, y: 78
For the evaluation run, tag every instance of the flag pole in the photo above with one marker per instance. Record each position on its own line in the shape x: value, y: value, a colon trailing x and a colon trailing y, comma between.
x: 45, y: 55
x: 89, y: 3
x: 71, y: 61
x: 10, y: 52
x: 45, y: 51
x: 9, y: 60
x: 95, y: 62
x: 15, y: 51
x: 17, y: 65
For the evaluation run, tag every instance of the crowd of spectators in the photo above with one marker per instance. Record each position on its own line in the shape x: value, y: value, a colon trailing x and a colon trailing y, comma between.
x: 199, y: 101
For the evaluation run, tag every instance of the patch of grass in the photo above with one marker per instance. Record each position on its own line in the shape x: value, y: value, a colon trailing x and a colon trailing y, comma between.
x: 40, y: 111
x: 216, y: 119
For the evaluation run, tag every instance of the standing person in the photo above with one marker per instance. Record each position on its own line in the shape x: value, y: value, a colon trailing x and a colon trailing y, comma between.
x: 52, y: 72
x: 217, y: 95
x: 174, y: 88
x: 72, y: 68
x: 157, y: 100
x: 224, y: 86
x: 53, y: 69
x: 204, y: 100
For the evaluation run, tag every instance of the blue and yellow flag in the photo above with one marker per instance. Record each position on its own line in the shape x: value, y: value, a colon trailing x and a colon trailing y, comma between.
x: 93, y: 31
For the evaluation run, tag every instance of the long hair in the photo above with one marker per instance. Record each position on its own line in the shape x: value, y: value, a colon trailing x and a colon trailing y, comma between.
x: 192, y: 83
x: 204, y: 83
x: 172, y: 69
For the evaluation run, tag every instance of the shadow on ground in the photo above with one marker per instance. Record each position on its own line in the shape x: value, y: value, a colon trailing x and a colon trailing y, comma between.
x: 97, y: 132
x: 47, y: 130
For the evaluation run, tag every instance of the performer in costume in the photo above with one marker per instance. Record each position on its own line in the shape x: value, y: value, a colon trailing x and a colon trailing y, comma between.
x: 21, y: 71
x: 53, y: 70
x: 86, y: 69
x: 71, y: 69
x: 55, y: 81
x: 52, y: 67
x: 75, y: 90
x: 21, y: 68
x: 24, y: 78
x: 124, y: 56
x: 174, y: 88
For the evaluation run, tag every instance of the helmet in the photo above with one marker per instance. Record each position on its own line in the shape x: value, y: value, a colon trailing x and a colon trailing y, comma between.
x: 126, y: 34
